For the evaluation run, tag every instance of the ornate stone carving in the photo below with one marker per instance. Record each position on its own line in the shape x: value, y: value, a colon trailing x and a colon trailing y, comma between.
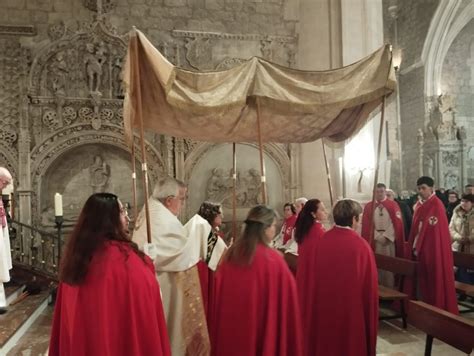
x: 99, y: 173
x: 100, y: 6
x: 57, y: 30
x: 94, y: 59
x: 199, y: 53
x: 228, y: 63
x: 450, y: 159
x: 451, y: 180
x: 428, y: 166
x: 211, y: 50
x: 220, y: 187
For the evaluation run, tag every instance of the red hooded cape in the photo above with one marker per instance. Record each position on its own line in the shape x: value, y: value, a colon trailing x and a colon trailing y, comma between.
x: 397, y: 221
x: 342, y: 297
x: 256, y: 308
x: 433, y: 253
x: 115, y: 311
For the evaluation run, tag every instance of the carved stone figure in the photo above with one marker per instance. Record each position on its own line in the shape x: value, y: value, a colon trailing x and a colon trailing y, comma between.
x: 428, y: 166
x: 117, y: 90
x: 99, y: 174
x: 450, y: 159
x: 93, y: 60
x: 248, y: 188
x: 58, y: 71
x: 217, y: 186
x: 450, y: 180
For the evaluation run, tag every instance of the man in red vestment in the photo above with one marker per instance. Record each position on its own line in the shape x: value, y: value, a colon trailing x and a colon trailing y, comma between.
x: 430, y: 244
x: 343, y: 291
x: 387, y: 229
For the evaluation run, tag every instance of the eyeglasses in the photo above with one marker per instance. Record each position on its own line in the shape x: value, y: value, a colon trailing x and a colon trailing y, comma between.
x: 124, y: 212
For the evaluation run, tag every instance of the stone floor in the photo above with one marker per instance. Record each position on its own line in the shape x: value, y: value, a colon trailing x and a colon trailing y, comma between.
x: 392, y: 339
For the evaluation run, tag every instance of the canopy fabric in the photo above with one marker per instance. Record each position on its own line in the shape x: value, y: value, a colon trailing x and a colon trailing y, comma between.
x: 221, y: 106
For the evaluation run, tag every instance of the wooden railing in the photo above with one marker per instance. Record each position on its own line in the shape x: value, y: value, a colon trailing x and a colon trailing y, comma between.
x: 34, y: 249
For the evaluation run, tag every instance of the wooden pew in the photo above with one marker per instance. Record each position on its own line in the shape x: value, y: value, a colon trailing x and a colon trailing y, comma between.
x: 464, y: 260
x: 401, y: 268
x: 442, y: 325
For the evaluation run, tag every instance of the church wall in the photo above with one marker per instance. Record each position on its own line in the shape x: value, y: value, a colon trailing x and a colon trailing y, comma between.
x: 52, y: 119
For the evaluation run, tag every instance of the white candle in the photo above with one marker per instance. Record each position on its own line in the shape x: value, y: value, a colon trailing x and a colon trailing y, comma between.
x: 58, y: 204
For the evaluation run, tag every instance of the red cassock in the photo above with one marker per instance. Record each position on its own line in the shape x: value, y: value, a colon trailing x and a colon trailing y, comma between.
x: 433, y: 253
x: 288, y: 227
x: 305, y: 275
x: 341, y: 297
x: 397, y: 222
x: 256, y: 310
x: 116, y: 311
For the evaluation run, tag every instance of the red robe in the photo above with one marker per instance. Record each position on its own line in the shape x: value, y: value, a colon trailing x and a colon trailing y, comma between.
x: 288, y: 227
x: 305, y: 275
x: 433, y: 253
x: 116, y: 311
x: 342, y: 297
x: 397, y: 222
x: 256, y: 309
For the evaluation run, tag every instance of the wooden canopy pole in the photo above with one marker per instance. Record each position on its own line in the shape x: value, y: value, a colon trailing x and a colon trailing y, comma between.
x: 134, y: 182
x: 260, y: 148
x: 234, y: 191
x: 138, y: 111
x: 331, y: 196
x: 376, y: 175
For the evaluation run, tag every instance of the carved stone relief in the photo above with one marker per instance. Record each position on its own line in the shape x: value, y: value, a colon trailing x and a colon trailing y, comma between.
x: 219, y: 188
x: 450, y: 159
x: 219, y: 51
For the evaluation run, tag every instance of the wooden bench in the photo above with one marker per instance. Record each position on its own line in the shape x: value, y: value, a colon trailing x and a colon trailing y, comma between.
x: 401, y: 268
x: 464, y: 260
x: 442, y: 325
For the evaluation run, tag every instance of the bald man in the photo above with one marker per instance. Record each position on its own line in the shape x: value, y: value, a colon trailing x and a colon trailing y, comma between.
x: 5, y: 254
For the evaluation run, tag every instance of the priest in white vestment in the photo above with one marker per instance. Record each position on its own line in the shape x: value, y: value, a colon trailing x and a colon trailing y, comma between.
x: 5, y: 252
x: 176, y: 250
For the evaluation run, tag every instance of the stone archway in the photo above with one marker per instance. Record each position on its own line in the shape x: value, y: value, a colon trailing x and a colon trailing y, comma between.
x: 208, y: 163
x: 66, y: 149
x: 444, y: 27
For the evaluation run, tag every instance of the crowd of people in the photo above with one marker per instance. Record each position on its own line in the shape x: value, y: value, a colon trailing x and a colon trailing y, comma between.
x: 184, y: 291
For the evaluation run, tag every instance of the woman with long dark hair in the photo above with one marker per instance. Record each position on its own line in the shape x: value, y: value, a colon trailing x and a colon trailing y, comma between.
x: 212, y: 213
x: 256, y: 312
x: 108, y: 300
x: 308, y: 232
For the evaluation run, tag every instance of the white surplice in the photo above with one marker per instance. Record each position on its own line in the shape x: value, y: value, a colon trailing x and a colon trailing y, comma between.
x: 176, y: 249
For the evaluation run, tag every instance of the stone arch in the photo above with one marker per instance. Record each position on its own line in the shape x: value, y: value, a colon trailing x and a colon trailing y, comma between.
x: 9, y: 161
x: 444, y: 27
x: 64, y: 141
x: 207, y: 156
